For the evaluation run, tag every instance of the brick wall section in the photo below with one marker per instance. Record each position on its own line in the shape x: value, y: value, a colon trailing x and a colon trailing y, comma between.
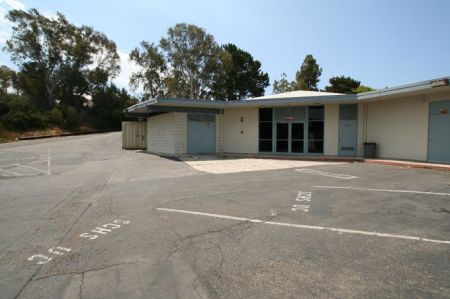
x: 180, y: 132
x: 160, y: 134
x: 167, y: 133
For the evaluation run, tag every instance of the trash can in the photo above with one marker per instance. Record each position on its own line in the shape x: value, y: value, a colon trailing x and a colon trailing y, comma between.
x: 370, y: 149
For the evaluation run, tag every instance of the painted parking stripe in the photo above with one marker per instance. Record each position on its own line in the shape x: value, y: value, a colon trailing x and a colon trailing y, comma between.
x: 7, y: 171
x: 311, y: 227
x: 383, y: 190
x: 37, y: 169
x: 328, y: 174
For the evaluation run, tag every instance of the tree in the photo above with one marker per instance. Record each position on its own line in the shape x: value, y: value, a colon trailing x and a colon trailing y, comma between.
x: 184, y: 64
x: 243, y: 76
x: 308, y: 75
x: 152, y: 72
x: 194, y: 61
x: 283, y: 85
x: 108, y: 105
x: 342, y: 84
x: 7, y: 78
x: 56, y: 49
x: 188, y: 63
x: 364, y: 88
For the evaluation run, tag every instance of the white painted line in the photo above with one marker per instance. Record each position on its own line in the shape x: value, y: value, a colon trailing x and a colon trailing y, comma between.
x: 210, y: 215
x: 15, y: 173
x: 49, y: 169
x: 328, y: 174
x: 383, y: 190
x: 37, y: 169
x: 312, y: 227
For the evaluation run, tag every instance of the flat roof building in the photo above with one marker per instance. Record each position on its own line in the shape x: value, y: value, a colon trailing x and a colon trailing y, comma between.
x: 409, y: 122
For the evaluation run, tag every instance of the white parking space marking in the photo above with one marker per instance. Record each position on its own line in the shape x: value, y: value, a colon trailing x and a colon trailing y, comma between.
x: 328, y: 174
x: 383, y: 190
x: 7, y: 171
x: 24, y: 166
x: 92, y: 235
x: 16, y: 164
x: 43, y: 259
x: 104, y: 229
x: 311, y: 227
x: 302, y: 197
x: 49, y: 168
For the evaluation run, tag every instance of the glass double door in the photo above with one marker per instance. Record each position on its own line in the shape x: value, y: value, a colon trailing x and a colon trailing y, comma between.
x: 290, y: 137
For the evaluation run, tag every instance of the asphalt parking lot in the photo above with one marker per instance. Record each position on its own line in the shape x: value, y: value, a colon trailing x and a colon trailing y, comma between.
x: 81, y: 218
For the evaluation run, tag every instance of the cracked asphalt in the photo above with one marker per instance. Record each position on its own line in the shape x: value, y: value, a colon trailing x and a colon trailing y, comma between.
x: 96, y: 189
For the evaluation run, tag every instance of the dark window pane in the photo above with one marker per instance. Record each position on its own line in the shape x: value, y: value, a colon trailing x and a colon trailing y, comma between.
x: 315, y: 130
x: 315, y: 113
x: 315, y: 146
x: 208, y: 117
x: 265, y: 114
x: 297, y: 131
x: 204, y: 117
x: 282, y: 146
x: 282, y: 131
x: 297, y: 146
x: 265, y: 130
x: 265, y: 145
x: 195, y: 117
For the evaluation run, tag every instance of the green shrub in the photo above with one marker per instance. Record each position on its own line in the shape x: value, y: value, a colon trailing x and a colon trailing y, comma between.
x: 64, y: 116
x: 22, y: 120
x: 56, y: 117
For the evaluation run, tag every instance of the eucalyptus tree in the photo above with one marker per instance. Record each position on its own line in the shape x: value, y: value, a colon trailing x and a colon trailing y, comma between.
x: 65, y: 57
x: 188, y: 63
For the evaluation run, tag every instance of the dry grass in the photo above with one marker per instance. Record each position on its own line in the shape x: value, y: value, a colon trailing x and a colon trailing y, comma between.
x: 9, y: 136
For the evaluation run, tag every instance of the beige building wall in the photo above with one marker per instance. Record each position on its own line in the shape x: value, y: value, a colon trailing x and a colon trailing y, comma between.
x: 167, y: 133
x: 360, y: 133
x: 331, y: 130
x: 240, y: 137
x: 400, y: 126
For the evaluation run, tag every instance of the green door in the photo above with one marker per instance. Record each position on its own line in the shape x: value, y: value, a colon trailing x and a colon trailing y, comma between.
x: 439, y: 132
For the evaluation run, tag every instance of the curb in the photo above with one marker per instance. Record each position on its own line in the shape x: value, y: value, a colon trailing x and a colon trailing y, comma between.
x: 410, y: 165
x: 66, y: 134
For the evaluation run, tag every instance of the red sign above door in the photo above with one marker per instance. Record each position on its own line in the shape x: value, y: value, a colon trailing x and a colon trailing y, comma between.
x: 289, y: 118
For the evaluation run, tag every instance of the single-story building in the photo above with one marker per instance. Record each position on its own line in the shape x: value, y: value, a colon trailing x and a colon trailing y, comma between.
x: 406, y: 122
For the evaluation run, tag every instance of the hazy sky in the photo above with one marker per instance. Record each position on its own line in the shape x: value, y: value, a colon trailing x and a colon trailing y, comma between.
x: 380, y: 42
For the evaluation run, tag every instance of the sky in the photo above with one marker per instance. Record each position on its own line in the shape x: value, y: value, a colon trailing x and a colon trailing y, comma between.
x: 382, y: 43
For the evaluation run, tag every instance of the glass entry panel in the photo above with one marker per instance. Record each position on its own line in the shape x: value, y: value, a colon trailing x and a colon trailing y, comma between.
x: 282, y: 137
x: 297, y: 137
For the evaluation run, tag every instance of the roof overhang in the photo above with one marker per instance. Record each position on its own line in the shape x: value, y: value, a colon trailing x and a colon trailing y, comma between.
x: 164, y: 105
x: 420, y: 88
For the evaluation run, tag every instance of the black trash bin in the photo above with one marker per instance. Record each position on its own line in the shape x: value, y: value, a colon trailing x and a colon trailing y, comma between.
x: 370, y: 149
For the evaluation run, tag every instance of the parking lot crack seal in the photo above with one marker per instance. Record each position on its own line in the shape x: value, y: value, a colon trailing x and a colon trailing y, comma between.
x: 81, y: 285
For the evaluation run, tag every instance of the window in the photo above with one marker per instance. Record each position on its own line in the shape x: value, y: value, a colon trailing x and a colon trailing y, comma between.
x: 297, y: 137
x: 265, y: 129
x: 282, y: 137
x: 315, y: 129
